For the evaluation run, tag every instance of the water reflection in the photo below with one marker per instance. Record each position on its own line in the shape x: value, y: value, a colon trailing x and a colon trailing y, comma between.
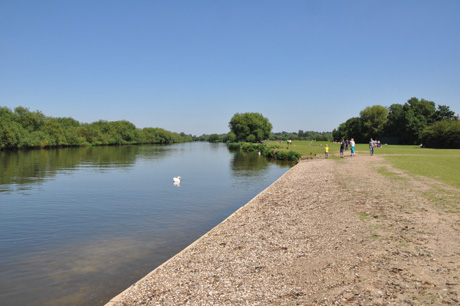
x: 249, y: 163
x: 19, y: 170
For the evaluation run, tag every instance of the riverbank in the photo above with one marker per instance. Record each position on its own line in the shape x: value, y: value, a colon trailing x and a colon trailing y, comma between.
x: 349, y: 231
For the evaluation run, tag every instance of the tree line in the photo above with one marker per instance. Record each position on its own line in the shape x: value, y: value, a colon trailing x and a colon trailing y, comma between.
x: 300, y: 135
x: 414, y: 122
x: 22, y: 128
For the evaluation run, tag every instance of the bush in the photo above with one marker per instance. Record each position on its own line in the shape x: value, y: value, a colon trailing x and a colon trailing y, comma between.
x: 234, y: 146
x: 292, y: 155
x: 267, y: 151
x: 251, y: 147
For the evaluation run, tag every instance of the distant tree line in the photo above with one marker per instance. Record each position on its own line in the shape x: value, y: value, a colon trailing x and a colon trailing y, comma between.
x: 301, y: 135
x: 414, y: 122
x: 213, y: 138
x: 21, y: 128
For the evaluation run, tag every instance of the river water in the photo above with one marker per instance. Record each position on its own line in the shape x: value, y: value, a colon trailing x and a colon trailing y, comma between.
x: 80, y: 225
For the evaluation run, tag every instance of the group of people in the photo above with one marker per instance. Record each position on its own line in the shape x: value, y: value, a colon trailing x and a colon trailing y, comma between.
x: 345, y: 143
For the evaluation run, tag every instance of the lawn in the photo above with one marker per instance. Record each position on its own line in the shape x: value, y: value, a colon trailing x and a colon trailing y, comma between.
x: 439, y: 164
x: 443, y: 168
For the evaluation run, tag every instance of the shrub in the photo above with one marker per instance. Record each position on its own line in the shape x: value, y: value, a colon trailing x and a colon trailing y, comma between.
x: 292, y: 155
x: 251, y: 147
x: 234, y: 146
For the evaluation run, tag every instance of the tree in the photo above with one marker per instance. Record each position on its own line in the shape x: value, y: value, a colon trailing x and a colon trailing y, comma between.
x: 213, y: 138
x: 250, y: 127
x: 374, y: 119
x: 443, y: 112
x: 396, y: 124
x: 354, y: 129
x: 418, y: 115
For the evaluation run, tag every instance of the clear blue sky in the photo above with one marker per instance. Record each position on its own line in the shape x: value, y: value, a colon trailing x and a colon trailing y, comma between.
x: 189, y: 66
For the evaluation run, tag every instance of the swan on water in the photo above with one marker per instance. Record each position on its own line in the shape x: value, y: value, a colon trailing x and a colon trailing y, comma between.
x: 176, y: 181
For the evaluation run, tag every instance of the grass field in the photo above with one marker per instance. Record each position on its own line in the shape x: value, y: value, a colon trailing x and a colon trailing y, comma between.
x: 439, y: 164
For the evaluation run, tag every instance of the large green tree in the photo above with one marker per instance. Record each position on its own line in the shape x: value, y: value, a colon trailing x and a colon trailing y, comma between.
x: 250, y: 127
x: 418, y: 115
x: 374, y: 119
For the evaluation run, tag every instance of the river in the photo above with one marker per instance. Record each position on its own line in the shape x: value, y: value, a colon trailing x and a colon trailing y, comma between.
x: 80, y: 225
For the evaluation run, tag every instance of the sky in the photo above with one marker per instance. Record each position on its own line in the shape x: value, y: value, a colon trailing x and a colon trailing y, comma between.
x: 189, y: 66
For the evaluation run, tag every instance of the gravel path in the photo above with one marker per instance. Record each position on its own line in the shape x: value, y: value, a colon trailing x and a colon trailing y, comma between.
x: 328, y: 232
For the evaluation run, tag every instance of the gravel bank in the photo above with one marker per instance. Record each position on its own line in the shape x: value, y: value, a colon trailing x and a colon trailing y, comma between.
x: 328, y: 232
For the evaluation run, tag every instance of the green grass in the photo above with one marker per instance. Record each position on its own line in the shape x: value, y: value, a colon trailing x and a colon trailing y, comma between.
x: 439, y: 167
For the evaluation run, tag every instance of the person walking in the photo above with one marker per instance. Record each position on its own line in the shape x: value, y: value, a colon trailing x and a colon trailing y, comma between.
x: 371, y: 146
x: 352, y: 144
x: 342, y: 148
x: 326, y: 152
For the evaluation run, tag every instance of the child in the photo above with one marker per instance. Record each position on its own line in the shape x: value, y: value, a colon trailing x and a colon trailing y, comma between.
x: 326, y: 151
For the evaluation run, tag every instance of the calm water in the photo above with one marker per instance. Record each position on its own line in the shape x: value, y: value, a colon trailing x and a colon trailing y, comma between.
x: 80, y: 225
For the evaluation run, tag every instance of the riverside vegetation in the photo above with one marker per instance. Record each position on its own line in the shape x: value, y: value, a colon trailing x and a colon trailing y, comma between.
x: 22, y: 128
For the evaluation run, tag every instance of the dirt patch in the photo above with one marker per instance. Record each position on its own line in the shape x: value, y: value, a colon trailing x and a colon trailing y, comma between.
x: 329, y: 232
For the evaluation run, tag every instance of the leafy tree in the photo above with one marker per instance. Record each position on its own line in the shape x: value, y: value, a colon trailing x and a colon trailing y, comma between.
x: 443, y: 112
x: 231, y: 137
x: 418, y: 114
x: 250, y: 127
x: 30, y: 121
x: 396, y: 124
x: 214, y: 138
x: 53, y: 129
x: 354, y: 129
x: 374, y: 119
x: 11, y: 134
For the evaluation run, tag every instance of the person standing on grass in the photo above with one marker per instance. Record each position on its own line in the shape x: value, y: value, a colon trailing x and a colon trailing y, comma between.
x: 342, y: 148
x: 326, y: 152
x: 352, y: 144
x: 371, y: 146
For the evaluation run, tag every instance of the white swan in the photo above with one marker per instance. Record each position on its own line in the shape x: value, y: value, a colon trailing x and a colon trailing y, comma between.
x: 176, y: 181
